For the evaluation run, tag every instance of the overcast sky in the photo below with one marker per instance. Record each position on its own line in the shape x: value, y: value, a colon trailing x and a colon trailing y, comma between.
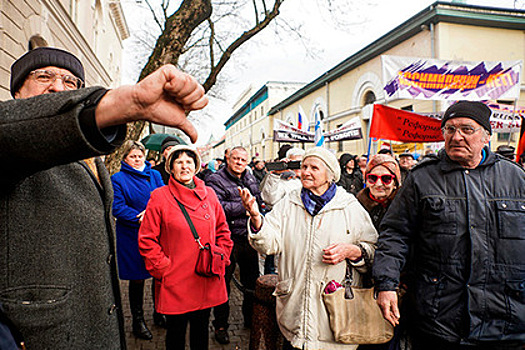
x: 267, y: 59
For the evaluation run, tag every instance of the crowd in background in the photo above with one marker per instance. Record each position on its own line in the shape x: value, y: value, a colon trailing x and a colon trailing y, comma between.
x: 445, y: 229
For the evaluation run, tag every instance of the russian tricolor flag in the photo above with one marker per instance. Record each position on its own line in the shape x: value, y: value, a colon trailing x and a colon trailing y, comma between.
x: 303, y: 123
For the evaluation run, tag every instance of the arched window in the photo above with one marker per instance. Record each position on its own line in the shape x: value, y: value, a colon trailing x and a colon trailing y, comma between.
x: 369, y: 98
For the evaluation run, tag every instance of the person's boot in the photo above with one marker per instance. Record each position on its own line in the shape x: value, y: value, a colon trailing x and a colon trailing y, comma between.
x: 136, y: 301
x: 140, y: 330
x: 159, y: 319
x: 222, y: 337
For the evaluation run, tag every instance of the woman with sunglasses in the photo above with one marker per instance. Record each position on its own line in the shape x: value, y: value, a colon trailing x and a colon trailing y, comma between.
x: 382, y: 179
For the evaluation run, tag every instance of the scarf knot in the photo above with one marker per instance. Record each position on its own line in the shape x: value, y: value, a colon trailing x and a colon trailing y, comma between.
x: 313, y: 203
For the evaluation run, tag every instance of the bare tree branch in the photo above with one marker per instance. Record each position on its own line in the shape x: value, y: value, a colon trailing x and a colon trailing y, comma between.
x: 264, y: 6
x: 247, y: 35
x: 255, y: 10
x: 161, y: 27
x: 212, y: 39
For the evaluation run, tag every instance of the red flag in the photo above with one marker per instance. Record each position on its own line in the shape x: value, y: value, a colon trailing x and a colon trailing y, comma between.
x: 398, y: 125
x: 521, y: 142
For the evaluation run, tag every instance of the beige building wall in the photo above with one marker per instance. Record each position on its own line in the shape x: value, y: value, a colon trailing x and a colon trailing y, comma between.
x: 254, y: 131
x: 93, y: 30
x: 344, y: 97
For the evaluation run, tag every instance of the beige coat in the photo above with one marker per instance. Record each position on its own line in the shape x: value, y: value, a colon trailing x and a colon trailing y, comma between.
x: 299, y: 239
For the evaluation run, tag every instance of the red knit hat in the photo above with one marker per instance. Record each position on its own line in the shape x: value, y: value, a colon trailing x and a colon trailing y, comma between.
x: 388, y: 162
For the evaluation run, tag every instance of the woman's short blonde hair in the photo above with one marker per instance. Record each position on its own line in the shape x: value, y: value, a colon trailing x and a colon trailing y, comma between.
x: 130, y: 145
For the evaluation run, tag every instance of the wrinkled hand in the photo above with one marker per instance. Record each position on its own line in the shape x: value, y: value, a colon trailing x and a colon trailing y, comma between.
x: 387, y: 301
x: 252, y: 209
x: 249, y: 202
x: 163, y: 97
x: 335, y: 253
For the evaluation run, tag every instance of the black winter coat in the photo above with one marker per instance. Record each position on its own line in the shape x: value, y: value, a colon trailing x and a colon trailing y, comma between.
x: 352, y: 183
x: 225, y: 185
x: 375, y: 209
x: 467, y: 231
x: 161, y: 168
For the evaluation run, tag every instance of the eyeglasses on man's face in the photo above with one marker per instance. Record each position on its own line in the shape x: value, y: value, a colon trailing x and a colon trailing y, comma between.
x: 48, y: 77
x: 465, y: 130
x: 385, y: 179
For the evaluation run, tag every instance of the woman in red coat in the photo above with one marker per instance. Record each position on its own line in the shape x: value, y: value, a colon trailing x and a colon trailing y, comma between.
x: 170, y: 250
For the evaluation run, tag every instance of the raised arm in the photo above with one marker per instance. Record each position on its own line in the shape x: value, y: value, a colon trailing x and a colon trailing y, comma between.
x: 163, y: 97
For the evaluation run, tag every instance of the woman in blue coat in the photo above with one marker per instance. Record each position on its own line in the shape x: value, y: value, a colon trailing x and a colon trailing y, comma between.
x: 133, y: 186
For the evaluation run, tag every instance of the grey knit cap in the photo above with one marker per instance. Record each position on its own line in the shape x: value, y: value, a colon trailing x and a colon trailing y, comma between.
x: 43, y: 57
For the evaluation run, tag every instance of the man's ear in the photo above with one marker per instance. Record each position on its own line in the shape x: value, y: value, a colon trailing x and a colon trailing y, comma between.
x: 487, y: 138
x: 17, y: 95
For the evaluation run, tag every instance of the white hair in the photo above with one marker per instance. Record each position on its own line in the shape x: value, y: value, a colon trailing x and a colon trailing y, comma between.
x: 295, y: 151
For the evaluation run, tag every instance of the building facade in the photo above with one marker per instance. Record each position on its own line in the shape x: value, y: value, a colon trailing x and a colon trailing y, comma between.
x: 93, y: 30
x: 442, y: 31
x: 250, y: 126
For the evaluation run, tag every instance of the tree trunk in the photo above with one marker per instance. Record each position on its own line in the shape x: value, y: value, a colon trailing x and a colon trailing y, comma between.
x: 169, y: 47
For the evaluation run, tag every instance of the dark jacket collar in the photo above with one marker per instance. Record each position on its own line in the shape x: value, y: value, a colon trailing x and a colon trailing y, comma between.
x: 448, y: 165
x: 369, y: 204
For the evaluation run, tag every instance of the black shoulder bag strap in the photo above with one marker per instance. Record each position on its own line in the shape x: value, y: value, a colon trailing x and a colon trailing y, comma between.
x: 190, y: 223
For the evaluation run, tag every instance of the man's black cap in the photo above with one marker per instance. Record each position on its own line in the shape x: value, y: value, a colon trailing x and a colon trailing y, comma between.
x: 474, y: 110
x: 43, y: 57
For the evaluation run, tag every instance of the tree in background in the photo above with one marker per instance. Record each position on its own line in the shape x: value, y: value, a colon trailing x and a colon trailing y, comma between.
x: 200, y: 37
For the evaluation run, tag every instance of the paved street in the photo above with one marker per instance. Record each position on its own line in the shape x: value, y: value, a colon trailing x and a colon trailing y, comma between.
x: 239, y: 336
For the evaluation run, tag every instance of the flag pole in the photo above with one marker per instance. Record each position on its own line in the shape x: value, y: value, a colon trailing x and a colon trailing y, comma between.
x: 368, y: 152
x: 513, y: 116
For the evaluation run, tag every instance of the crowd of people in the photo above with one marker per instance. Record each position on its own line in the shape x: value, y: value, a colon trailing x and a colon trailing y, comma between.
x: 444, y: 234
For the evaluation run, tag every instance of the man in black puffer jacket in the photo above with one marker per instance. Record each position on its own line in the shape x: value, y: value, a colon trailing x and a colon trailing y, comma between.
x: 461, y: 215
x: 351, y: 175
x: 225, y: 182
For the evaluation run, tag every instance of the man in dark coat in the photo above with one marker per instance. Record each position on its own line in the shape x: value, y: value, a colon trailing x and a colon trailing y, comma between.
x: 225, y: 182
x: 406, y: 163
x: 165, y: 148
x: 58, y: 281
x: 351, y: 176
x: 460, y: 216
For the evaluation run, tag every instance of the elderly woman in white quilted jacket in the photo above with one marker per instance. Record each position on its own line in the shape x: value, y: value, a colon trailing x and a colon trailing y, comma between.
x: 313, y: 229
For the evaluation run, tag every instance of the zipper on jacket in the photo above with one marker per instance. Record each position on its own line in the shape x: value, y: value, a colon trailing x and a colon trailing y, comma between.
x: 308, y: 274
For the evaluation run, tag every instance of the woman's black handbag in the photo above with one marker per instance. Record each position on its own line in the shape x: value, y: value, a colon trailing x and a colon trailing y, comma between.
x: 211, y: 261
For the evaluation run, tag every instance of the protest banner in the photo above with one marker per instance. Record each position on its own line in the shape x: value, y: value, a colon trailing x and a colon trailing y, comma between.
x: 285, y: 132
x: 504, y: 118
x: 351, y: 130
x: 432, y: 79
x: 521, y: 142
x: 398, y: 125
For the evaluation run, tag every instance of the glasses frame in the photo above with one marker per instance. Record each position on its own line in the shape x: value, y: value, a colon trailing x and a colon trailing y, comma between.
x: 54, y: 76
x: 380, y: 177
x: 451, y: 130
